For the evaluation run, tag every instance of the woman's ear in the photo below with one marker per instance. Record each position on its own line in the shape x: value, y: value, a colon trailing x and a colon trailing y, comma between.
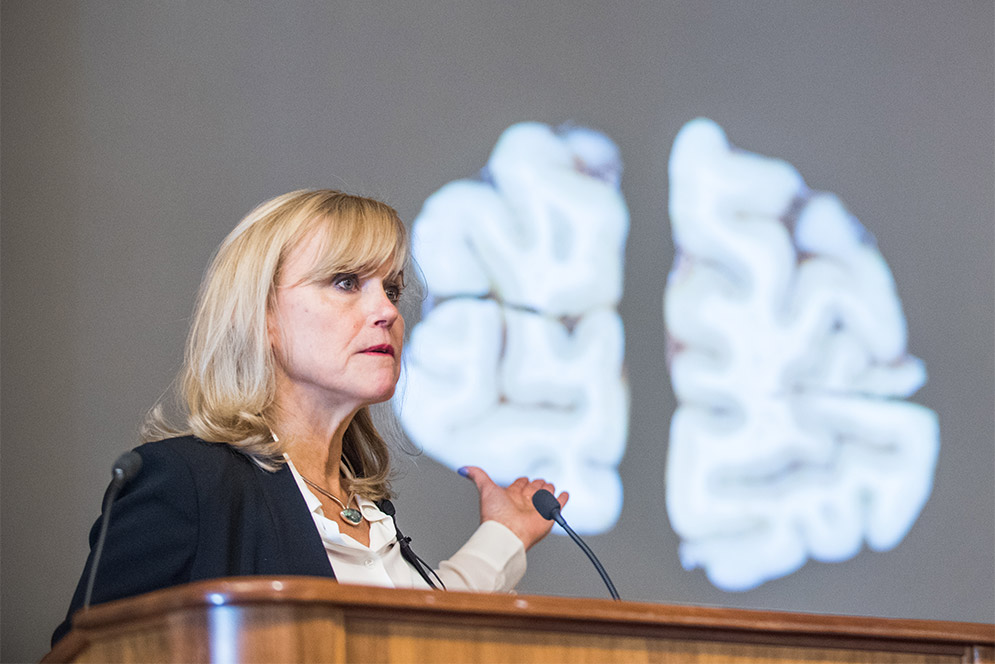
x: 272, y: 328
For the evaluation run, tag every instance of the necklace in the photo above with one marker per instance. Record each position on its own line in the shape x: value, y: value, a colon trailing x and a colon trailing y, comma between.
x: 349, y: 515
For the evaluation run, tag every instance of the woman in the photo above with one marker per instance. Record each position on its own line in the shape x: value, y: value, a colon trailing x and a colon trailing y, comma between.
x: 279, y: 468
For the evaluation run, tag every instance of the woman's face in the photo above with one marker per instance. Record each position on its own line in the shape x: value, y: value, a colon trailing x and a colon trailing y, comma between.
x: 337, y: 343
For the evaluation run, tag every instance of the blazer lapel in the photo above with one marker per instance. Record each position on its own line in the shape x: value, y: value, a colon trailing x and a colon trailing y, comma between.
x: 297, y: 537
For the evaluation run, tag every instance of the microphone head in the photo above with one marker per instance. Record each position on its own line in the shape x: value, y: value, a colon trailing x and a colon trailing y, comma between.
x: 127, y: 466
x: 546, y: 504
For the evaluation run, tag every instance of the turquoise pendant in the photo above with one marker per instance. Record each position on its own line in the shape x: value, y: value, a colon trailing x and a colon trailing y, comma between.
x: 351, y: 516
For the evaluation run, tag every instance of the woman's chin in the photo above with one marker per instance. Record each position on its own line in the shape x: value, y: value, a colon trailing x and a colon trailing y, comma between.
x: 381, y: 396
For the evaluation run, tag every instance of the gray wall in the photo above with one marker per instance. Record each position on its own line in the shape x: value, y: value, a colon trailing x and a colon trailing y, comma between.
x: 135, y: 134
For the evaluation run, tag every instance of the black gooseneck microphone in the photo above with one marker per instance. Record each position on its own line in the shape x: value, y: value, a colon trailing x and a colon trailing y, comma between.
x: 549, y: 507
x: 127, y: 466
x: 420, y: 565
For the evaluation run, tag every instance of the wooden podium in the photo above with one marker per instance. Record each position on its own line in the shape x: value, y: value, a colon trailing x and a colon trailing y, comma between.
x: 304, y: 619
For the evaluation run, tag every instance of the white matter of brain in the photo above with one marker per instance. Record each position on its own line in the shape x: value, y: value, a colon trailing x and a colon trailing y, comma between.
x: 516, y: 365
x: 788, y: 360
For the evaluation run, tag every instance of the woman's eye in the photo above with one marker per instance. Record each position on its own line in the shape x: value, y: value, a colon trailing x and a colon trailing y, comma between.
x: 393, y: 292
x: 348, y: 282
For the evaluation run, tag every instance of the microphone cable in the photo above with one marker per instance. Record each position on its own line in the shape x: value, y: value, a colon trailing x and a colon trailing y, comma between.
x: 407, y: 553
x: 549, y: 508
x: 127, y: 466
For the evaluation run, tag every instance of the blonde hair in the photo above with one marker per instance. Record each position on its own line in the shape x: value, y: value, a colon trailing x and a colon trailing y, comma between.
x: 227, y: 384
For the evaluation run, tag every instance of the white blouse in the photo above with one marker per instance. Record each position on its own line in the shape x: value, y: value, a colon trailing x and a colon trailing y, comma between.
x: 493, y: 560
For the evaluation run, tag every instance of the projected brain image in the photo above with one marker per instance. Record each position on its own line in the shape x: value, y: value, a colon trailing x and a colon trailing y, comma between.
x: 787, y: 351
x: 516, y: 365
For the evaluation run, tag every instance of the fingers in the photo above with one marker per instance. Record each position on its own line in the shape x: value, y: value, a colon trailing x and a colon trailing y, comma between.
x: 539, y: 484
x: 522, y: 484
x: 527, y: 488
x: 477, y: 476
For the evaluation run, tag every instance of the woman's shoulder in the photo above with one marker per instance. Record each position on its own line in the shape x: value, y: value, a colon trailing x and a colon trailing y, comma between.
x: 191, y: 450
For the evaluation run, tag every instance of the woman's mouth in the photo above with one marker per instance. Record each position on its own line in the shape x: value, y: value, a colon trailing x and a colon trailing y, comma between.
x: 382, y: 349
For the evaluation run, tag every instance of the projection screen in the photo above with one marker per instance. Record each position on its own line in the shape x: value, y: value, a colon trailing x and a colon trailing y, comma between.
x: 722, y: 270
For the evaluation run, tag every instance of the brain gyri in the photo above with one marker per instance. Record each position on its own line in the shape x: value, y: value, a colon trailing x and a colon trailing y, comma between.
x: 787, y: 350
x: 516, y: 365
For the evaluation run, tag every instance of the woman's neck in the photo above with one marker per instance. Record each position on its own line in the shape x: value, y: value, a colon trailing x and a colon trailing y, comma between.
x: 314, y: 444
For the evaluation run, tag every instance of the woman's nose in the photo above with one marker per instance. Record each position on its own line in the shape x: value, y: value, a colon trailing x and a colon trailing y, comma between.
x: 384, y: 310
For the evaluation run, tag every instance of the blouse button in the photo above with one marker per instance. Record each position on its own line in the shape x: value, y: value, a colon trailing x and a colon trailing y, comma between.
x: 370, y: 562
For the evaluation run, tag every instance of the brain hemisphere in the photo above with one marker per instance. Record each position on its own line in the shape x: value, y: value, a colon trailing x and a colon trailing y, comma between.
x: 516, y: 365
x: 787, y: 350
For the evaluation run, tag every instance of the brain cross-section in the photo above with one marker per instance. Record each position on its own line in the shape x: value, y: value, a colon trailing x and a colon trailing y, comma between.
x: 516, y: 365
x: 787, y: 352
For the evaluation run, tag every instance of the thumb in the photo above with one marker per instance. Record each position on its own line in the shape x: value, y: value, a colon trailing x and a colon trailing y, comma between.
x: 478, y: 477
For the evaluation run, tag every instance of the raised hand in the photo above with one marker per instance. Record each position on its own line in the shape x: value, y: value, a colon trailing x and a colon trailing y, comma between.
x: 512, y: 505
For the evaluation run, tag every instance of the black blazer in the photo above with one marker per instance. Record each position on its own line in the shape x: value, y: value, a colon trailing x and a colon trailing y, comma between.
x: 199, y: 511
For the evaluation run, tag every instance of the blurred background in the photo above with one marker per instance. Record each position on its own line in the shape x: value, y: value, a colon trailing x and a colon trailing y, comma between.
x: 135, y: 135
